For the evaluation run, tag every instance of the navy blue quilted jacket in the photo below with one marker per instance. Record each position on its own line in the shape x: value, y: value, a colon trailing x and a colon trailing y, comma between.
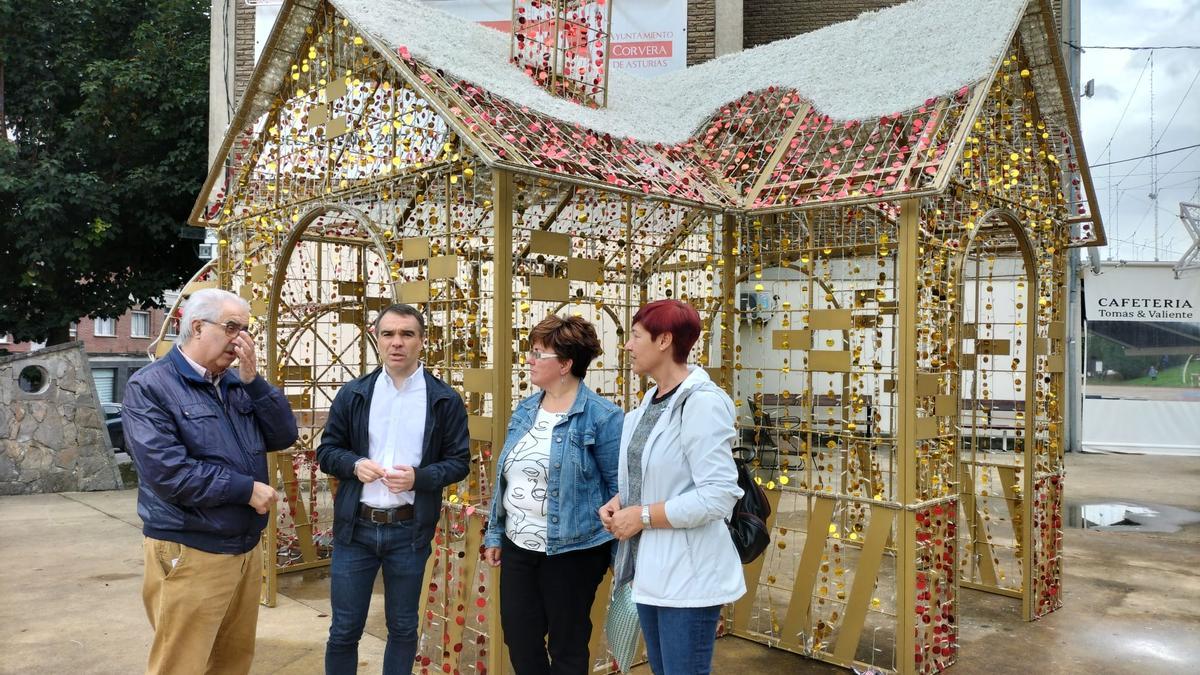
x: 445, y: 451
x: 198, y: 455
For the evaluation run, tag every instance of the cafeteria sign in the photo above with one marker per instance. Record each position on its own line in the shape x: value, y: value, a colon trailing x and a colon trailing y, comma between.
x: 1146, y: 292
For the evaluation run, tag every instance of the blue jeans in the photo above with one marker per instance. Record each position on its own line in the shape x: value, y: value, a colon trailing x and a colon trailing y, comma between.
x: 679, y: 640
x: 353, y: 573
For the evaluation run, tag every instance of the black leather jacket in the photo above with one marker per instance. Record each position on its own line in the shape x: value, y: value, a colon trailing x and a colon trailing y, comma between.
x: 445, y: 452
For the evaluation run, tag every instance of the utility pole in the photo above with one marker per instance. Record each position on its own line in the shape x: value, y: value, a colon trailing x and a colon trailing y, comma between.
x: 1076, y: 332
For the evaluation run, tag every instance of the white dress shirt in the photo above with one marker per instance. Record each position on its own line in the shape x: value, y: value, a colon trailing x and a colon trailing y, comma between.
x: 396, y: 432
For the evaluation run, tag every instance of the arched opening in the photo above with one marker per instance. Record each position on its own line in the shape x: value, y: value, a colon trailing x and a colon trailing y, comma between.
x: 331, y: 277
x: 997, y: 285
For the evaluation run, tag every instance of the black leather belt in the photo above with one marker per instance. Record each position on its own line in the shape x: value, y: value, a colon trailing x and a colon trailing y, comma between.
x: 385, y: 516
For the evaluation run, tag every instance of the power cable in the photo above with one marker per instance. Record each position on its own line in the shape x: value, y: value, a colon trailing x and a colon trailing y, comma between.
x: 1143, y: 186
x: 1108, y: 145
x: 1141, y: 245
x: 1153, y: 154
x: 1153, y: 207
x: 1179, y: 184
x: 1154, y: 141
x: 1072, y: 45
x: 1177, y: 108
x: 1147, y: 173
x: 1180, y: 162
x: 1127, y: 104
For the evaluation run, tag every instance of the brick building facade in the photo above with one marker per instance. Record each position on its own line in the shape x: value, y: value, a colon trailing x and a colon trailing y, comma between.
x: 770, y: 20
x: 243, y: 47
x: 116, y: 348
x: 702, y: 31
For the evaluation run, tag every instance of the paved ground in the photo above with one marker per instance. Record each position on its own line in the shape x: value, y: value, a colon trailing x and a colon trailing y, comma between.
x: 73, y: 570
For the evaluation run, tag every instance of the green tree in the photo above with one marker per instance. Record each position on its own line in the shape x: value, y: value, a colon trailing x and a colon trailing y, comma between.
x: 105, y: 105
x: 1112, y: 355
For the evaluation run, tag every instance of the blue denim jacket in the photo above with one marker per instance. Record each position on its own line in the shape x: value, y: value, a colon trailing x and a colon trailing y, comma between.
x: 582, y: 474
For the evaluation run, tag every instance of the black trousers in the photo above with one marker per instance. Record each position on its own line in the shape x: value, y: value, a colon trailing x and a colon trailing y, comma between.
x: 550, y: 595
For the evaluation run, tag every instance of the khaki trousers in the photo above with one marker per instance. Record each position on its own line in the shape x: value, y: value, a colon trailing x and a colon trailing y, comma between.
x: 203, y: 608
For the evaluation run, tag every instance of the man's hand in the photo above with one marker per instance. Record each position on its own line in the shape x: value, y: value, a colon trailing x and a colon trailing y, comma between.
x: 626, y: 522
x: 261, y: 497
x: 368, y: 471
x: 243, y: 346
x: 491, y: 556
x: 400, y: 478
x: 606, y: 512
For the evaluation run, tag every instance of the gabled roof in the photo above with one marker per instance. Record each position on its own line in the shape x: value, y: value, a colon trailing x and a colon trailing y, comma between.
x: 861, y: 111
x: 1057, y: 103
x: 881, y: 63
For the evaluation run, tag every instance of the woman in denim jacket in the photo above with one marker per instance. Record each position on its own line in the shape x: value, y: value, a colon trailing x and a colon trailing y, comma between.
x: 558, y: 466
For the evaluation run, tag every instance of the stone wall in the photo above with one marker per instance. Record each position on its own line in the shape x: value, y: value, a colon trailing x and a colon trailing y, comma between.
x: 54, y: 438
x: 771, y: 20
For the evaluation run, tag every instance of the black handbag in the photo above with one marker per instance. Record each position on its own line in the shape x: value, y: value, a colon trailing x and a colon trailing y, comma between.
x: 748, y: 522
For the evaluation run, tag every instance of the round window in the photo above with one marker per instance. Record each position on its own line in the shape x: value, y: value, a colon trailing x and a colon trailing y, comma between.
x: 33, y: 379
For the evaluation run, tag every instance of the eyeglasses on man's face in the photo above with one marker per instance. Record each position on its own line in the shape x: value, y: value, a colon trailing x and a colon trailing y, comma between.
x: 539, y: 355
x: 231, y: 328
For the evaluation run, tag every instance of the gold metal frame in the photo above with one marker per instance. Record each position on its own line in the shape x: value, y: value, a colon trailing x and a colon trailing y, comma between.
x: 846, y: 372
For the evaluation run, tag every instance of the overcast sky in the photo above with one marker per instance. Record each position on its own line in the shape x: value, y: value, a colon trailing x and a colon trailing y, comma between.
x: 1123, y: 189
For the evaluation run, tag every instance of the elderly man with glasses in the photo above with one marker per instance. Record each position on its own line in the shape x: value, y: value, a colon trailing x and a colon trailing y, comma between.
x: 198, y: 429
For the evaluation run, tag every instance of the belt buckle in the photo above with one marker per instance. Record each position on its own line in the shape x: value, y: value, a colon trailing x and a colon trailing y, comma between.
x: 379, y: 516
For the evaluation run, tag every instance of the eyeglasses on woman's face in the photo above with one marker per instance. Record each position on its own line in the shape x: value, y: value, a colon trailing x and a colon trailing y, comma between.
x: 537, y: 354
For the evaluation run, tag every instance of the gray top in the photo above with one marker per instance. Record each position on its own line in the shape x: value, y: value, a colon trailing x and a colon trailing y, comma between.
x: 627, y: 557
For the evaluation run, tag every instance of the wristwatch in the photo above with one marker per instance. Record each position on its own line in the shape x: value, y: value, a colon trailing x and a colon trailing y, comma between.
x: 646, y: 516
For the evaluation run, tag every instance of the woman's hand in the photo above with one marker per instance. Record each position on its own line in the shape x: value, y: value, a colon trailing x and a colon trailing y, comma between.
x: 626, y: 522
x: 606, y: 512
x: 491, y: 556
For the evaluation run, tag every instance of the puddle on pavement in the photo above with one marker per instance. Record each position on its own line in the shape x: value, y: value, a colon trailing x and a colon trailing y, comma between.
x: 1123, y: 516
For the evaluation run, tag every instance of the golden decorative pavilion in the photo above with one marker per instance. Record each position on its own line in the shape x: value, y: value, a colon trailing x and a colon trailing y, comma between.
x: 883, y: 294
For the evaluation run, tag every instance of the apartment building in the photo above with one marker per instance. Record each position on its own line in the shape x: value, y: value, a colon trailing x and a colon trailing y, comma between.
x: 116, y: 348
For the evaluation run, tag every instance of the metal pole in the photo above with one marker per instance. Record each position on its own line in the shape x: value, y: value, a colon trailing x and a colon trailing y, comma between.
x: 728, y: 299
x: 907, y: 269
x: 502, y: 368
x: 1070, y: 31
x: 1074, y: 355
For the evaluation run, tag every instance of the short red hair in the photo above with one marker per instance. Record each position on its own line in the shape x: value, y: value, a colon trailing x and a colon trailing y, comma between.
x: 678, y: 318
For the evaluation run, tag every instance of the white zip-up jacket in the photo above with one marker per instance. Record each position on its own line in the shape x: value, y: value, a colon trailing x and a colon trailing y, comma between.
x: 687, y: 463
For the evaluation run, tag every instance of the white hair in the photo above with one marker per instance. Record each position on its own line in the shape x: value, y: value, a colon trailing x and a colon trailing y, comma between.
x: 206, y: 305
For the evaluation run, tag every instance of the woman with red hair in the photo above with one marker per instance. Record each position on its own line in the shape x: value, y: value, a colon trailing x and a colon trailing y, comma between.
x: 676, y: 485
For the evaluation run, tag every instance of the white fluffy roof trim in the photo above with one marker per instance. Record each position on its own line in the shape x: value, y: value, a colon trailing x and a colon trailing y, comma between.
x: 887, y: 61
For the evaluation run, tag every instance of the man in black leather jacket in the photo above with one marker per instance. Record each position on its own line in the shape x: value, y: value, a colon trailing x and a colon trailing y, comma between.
x: 395, y: 438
